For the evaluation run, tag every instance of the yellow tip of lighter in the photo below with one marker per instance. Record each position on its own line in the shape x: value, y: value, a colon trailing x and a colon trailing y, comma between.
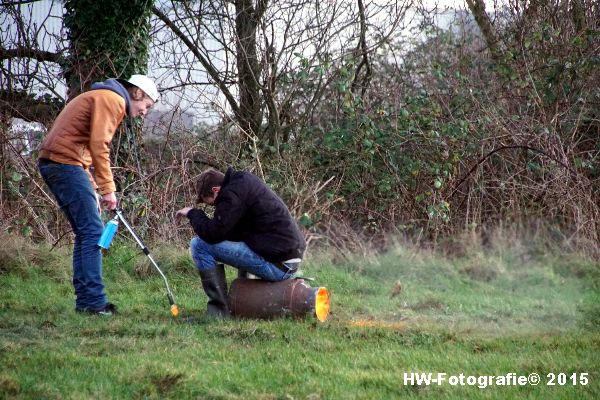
x: 174, y: 310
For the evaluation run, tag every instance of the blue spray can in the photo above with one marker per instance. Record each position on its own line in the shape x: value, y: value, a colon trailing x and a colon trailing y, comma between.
x: 108, y: 233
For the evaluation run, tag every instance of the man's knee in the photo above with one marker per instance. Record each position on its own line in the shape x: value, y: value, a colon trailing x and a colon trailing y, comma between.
x: 198, y: 245
x: 201, y: 254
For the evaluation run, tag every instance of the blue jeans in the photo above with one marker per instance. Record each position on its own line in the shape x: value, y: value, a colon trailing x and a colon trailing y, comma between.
x: 75, y: 195
x: 238, y: 255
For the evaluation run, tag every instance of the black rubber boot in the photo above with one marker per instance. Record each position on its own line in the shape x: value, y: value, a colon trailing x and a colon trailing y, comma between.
x: 215, y: 287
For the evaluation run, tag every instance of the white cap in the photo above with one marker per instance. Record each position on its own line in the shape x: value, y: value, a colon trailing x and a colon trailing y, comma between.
x: 146, y: 84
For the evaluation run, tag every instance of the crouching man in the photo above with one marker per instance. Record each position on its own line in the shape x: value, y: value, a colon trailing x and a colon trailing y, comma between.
x: 251, y: 230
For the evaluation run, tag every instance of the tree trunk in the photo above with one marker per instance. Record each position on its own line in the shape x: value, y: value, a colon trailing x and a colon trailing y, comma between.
x: 246, y: 21
x: 477, y: 8
x: 108, y: 39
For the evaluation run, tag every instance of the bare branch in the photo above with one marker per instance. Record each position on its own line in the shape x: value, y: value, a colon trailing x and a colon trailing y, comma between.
x: 477, y: 7
x: 210, y: 69
x: 363, y: 49
x: 19, y: 104
x: 17, y: 3
x: 39, y: 55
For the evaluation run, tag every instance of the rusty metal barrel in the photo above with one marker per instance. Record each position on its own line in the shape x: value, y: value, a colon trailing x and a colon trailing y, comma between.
x: 255, y: 298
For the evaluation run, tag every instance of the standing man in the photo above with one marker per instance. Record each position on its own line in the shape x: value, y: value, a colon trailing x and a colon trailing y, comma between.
x: 251, y: 230
x: 80, y: 138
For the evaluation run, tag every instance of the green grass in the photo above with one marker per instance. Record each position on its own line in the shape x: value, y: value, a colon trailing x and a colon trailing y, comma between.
x: 488, y: 313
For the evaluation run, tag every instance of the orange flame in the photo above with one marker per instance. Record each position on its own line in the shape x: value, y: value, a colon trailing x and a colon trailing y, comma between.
x: 322, y: 303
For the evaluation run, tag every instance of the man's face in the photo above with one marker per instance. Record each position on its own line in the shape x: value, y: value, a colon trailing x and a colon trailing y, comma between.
x: 139, y: 108
x: 210, y: 200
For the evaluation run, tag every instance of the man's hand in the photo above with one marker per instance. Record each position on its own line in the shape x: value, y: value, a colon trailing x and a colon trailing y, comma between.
x: 109, y: 201
x: 182, y: 213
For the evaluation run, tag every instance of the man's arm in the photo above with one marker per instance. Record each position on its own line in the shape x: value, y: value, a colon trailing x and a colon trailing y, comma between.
x: 227, y: 213
x: 107, y: 112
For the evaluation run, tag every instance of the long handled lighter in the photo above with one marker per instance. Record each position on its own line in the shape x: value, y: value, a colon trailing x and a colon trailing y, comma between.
x: 174, y: 308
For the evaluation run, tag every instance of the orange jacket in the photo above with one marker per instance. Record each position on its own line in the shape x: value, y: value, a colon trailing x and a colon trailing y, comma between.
x: 82, y: 133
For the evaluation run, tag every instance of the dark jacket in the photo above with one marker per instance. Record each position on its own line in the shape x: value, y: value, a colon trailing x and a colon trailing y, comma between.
x: 246, y: 210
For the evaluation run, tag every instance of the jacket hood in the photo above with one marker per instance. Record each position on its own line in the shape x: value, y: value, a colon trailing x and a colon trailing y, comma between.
x: 115, y: 86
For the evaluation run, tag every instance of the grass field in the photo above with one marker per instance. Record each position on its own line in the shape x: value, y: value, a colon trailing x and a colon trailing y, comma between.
x: 510, y: 309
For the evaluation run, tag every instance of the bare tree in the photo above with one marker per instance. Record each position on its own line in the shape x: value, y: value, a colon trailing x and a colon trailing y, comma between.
x: 31, y: 55
x: 271, y: 61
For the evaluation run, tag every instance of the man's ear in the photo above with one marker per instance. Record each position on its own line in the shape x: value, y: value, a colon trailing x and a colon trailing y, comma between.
x: 215, y: 189
x: 137, y: 94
